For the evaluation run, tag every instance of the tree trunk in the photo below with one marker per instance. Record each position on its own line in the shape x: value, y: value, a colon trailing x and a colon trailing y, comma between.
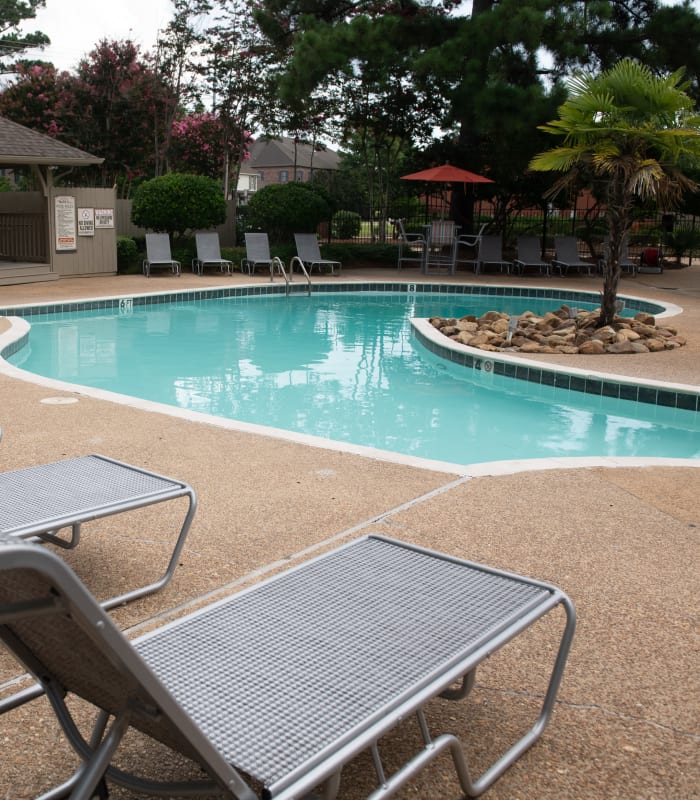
x: 617, y: 214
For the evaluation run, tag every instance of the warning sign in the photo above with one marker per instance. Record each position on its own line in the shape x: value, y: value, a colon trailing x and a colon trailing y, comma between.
x: 86, y: 222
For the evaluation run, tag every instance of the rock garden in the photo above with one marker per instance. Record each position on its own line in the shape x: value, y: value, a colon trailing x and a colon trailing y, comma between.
x: 566, y: 330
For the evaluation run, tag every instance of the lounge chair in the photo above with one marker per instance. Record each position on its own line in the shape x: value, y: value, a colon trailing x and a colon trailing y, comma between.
x: 158, y: 254
x: 309, y: 253
x: 412, y: 246
x: 529, y: 255
x: 490, y: 251
x: 442, y: 247
x: 257, y: 253
x: 209, y: 253
x: 566, y: 256
x: 283, y: 683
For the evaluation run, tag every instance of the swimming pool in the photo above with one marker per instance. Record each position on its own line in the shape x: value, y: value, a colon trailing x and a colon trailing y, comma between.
x: 345, y: 366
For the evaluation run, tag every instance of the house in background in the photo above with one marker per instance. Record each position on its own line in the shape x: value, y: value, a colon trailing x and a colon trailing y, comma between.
x: 52, y: 232
x: 280, y: 160
x: 248, y: 183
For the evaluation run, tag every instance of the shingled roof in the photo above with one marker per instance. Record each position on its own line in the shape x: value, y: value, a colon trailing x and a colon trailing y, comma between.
x: 22, y: 146
x: 279, y: 152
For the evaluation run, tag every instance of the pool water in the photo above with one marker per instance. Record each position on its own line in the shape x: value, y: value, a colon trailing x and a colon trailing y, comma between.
x: 346, y: 367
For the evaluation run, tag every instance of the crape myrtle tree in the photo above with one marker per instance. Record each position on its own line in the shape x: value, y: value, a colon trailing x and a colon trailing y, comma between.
x: 637, y: 134
x: 173, y: 64
x: 110, y: 107
x: 197, y: 145
x: 13, y: 42
x: 34, y: 97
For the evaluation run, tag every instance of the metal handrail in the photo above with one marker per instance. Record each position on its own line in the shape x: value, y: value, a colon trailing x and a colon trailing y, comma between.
x: 303, y: 270
x: 277, y: 262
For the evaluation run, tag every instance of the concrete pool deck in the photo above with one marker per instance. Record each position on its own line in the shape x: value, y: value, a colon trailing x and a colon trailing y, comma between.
x: 623, y: 543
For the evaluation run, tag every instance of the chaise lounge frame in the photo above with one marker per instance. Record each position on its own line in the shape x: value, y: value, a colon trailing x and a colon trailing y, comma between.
x: 285, y: 681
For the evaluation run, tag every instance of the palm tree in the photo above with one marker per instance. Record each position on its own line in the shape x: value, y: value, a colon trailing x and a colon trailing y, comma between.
x: 635, y: 133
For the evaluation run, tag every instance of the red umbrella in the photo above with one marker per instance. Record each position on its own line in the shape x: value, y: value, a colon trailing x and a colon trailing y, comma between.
x: 446, y: 173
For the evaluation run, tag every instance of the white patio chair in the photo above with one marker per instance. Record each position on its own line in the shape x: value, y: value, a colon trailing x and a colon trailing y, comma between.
x: 442, y: 247
x: 412, y: 246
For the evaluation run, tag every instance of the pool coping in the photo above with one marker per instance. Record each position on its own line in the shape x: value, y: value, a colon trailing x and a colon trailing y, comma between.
x: 16, y: 337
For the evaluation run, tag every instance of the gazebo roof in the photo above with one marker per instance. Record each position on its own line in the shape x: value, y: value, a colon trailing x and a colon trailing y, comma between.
x: 21, y: 146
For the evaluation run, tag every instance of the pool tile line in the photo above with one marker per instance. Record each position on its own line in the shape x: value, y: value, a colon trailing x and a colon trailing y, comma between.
x: 126, y: 303
x: 638, y: 390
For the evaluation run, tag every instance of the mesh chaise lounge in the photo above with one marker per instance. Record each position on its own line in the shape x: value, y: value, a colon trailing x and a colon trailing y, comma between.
x: 257, y: 253
x: 158, y: 254
x: 284, y: 682
x: 209, y: 253
x: 529, y: 255
x: 566, y: 256
x: 490, y: 251
x: 309, y: 253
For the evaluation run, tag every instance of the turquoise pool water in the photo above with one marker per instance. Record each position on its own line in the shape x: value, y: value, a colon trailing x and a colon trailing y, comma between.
x: 345, y: 366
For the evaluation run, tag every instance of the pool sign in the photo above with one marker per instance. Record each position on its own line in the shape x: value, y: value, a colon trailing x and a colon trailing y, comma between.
x: 86, y: 222
x: 64, y: 217
x: 104, y: 217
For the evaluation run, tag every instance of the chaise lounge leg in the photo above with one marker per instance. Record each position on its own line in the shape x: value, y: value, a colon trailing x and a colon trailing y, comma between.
x: 466, y: 687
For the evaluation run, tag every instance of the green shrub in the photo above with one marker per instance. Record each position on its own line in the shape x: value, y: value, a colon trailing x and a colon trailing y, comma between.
x: 345, y: 224
x: 178, y: 202
x: 683, y: 240
x: 283, y: 209
x: 361, y: 255
x: 127, y: 254
x: 407, y: 208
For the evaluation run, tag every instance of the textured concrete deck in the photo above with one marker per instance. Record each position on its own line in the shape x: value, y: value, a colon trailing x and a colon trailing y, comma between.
x: 623, y: 543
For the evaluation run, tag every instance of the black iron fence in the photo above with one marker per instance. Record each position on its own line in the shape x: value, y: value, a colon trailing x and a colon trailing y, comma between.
x: 675, y: 236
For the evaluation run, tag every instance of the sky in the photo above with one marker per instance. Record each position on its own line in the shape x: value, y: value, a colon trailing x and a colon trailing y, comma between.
x: 76, y: 26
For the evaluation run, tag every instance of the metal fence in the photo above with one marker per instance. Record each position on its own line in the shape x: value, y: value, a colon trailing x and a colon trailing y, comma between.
x: 23, y: 237
x: 676, y: 235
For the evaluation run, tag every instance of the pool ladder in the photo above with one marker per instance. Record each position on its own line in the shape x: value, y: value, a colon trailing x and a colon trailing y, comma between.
x: 278, y: 267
